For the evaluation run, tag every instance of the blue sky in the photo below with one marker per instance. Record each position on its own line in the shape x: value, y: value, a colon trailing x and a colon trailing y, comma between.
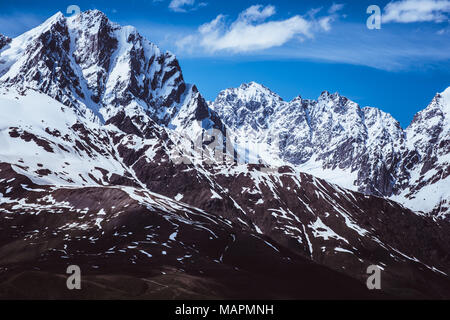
x: 293, y: 47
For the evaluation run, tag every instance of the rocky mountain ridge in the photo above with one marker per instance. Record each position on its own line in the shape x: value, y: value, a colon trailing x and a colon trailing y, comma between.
x: 90, y: 174
x: 364, y: 149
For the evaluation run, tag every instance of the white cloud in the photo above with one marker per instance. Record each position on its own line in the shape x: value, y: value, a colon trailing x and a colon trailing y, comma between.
x: 180, y: 5
x: 347, y: 43
x: 252, y: 32
x: 407, y: 11
x: 257, y: 13
x: 184, y: 5
x: 325, y: 23
x: 336, y: 7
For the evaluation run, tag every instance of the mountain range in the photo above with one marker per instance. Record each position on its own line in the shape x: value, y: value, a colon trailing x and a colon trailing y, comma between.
x: 95, y: 119
x: 362, y: 149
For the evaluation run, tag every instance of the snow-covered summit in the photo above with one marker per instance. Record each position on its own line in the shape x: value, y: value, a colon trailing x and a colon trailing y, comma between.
x: 250, y: 104
x: 364, y: 149
x: 99, y: 67
x: 428, y: 139
x: 255, y: 91
x: 432, y: 123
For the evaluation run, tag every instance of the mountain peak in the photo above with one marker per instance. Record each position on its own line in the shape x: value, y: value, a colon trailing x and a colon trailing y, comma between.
x: 57, y: 17
x: 437, y: 114
x: 255, y: 91
x: 326, y: 94
x: 297, y: 99
x: 98, y: 67
x: 92, y: 20
x: 254, y: 85
x: 92, y: 14
x: 52, y: 23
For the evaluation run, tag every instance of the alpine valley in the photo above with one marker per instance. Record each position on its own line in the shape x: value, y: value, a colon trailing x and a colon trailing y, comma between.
x: 94, y: 121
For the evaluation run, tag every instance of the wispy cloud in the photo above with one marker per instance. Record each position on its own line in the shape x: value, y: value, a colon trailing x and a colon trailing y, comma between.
x: 336, y: 7
x: 184, y: 5
x: 252, y: 31
x: 393, y: 49
x: 408, y: 11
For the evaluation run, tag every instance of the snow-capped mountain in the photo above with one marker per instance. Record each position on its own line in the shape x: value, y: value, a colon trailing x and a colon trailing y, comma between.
x: 97, y: 66
x: 363, y: 149
x: 95, y: 119
x: 429, y: 137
